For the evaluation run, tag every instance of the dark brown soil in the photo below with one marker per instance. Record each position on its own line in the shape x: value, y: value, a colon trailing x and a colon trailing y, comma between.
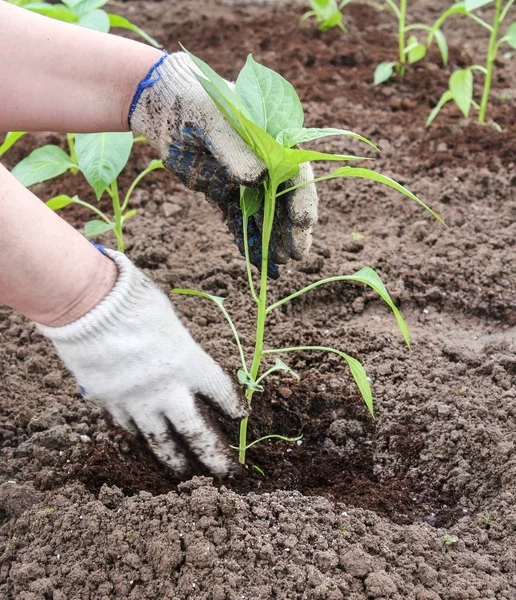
x: 87, y: 512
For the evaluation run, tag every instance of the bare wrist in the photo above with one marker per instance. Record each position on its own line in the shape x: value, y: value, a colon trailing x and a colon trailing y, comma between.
x: 98, y: 286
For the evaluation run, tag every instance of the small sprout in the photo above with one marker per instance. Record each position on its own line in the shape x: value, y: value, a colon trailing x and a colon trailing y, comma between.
x: 356, y: 235
x: 131, y: 537
x: 449, y: 541
x: 327, y: 13
x: 45, y: 512
x: 488, y: 520
x: 258, y: 470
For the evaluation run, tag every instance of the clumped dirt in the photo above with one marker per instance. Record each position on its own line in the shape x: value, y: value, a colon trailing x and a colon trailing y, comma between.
x: 419, y: 503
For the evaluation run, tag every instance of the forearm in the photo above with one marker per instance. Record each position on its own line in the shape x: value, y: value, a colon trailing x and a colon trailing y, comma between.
x: 61, y: 77
x: 48, y: 271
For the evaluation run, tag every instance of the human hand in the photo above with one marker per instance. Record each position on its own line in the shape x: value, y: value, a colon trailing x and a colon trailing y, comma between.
x: 198, y: 144
x: 132, y: 356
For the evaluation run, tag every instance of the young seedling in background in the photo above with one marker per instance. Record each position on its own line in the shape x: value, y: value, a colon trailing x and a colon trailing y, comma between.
x: 265, y: 110
x: 411, y: 50
x: 86, y: 13
x: 10, y: 139
x: 327, y: 13
x: 100, y: 157
x: 460, y: 85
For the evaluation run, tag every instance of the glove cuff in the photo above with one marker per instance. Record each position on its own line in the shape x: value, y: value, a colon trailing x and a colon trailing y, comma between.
x: 130, y: 290
x: 162, y: 98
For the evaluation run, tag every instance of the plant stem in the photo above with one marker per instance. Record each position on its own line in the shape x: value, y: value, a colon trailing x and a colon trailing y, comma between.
x: 245, y: 222
x: 268, y: 218
x: 491, y: 56
x: 401, y: 37
x: 115, y: 197
x: 153, y: 166
x: 70, y: 138
x: 274, y: 437
x: 506, y: 10
x: 92, y: 208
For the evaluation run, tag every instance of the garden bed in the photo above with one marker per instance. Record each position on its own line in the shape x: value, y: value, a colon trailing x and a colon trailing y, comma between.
x: 359, y: 508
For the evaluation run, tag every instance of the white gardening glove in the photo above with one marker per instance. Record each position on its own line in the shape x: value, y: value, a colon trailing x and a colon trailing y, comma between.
x: 196, y: 142
x: 132, y: 356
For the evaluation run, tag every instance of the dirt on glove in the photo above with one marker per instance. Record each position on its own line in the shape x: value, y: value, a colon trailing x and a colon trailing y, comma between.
x: 419, y: 503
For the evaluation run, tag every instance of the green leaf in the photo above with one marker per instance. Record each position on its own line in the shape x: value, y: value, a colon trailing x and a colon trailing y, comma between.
x: 97, y: 227
x: 251, y: 200
x: 61, y: 201
x: 509, y: 37
x: 281, y: 366
x: 245, y: 380
x: 83, y: 7
x: 19, y: 2
x: 371, y: 278
x: 301, y: 156
x: 42, y: 164
x: 471, y: 5
x: 373, y: 176
x: 324, y: 8
x: 461, y: 88
x: 279, y: 162
x: 367, y: 276
x: 356, y: 368
x: 414, y: 50
x: 417, y: 53
x: 96, y: 20
x: 258, y: 470
x: 360, y: 377
x: 446, y: 97
x: 118, y: 21
x: 332, y: 21
x: 383, y: 71
x: 220, y: 303
x: 54, y: 11
x: 10, y: 139
x: 442, y: 44
x: 219, y: 91
x: 457, y: 8
x: 327, y: 13
x: 292, y: 137
x: 102, y: 156
x: 271, y: 101
x: 128, y: 215
x: 411, y: 43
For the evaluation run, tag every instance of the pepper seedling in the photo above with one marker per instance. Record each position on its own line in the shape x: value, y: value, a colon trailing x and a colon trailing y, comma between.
x: 410, y: 50
x: 265, y: 110
x: 100, y: 157
x: 327, y: 13
x: 460, y: 84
